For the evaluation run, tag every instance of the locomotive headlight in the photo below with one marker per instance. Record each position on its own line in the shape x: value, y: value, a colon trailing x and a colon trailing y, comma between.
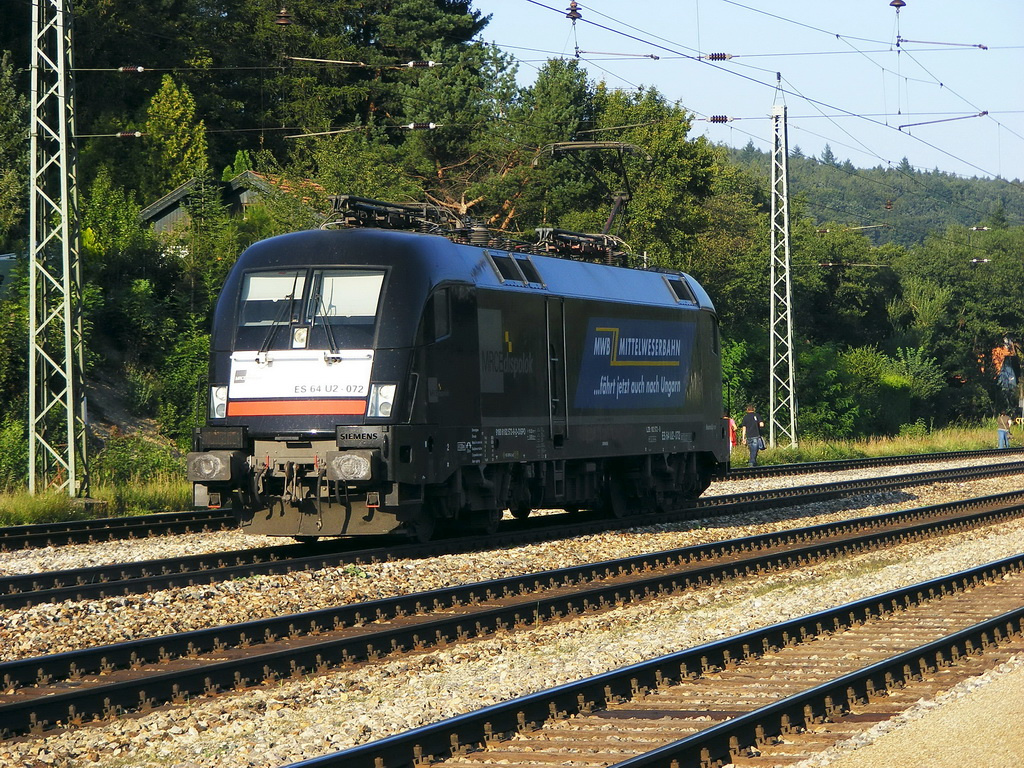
x: 208, y: 466
x: 218, y: 402
x: 382, y: 398
x: 299, y: 337
x: 352, y: 466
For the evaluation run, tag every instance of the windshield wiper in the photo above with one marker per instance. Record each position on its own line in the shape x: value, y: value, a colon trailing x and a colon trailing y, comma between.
x: 286, y: 306
x: 321, y: 313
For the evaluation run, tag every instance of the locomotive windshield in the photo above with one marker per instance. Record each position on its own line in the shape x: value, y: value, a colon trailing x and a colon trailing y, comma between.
x: 338, y: 306
x: 345, y: 297
x: 269, y: 298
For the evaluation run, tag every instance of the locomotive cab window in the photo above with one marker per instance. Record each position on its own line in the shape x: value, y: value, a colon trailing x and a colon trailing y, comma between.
x: 436, y: 321
x: 271, y: 297
x: 681, y: 290
x: 344, y: 297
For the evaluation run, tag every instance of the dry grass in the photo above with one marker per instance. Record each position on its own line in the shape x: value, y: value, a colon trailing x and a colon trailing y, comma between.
x: 939, y: 441
x: 163, y: 494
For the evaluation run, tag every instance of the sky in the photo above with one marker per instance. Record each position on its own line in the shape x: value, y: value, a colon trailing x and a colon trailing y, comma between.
x: 874, y: 85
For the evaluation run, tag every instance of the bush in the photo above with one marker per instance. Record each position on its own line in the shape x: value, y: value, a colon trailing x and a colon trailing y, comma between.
x: 184, y: 376
x: 13, y: 453
x: 916, y: 430
x: 144, y: 388
x: 129, y: 458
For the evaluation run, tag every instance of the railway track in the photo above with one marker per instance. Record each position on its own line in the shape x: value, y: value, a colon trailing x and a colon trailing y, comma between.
x: 113, y: 529
x: 763, y: 698
x: 133, y: 578
x: 839, y: 465
x: 78, y: 686
x: 197, y: 521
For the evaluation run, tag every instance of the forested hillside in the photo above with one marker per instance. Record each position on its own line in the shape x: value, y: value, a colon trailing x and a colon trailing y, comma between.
x: 896, y: 324
x: 898, y: 204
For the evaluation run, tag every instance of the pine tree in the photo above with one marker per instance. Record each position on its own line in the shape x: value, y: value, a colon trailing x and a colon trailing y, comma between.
x: 175, y: 138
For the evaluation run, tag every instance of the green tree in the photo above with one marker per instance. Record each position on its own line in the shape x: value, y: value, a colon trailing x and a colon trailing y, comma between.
x: 241, y: 164
x: 956, y: 304
x: 364, y: 163
x: 841, y: 285
x: 737, y: 376
x: 921, y: 375
x: 13, y: 452
x: 176, y: 139
x: 13, y: 157
x: 671, y: 176
x: 203, y: 248
x: 829, y: 406
x: 183, y: 398
x: 123, y: 266
x: 461, y: 99
x: 14, y: 340
x: 888, y: 392
x: 530, y: 185
x: 113, y: 240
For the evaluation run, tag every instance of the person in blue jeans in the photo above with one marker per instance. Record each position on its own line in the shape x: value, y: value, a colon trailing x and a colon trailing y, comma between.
x: 1003, y: 422
x: 751, y: 427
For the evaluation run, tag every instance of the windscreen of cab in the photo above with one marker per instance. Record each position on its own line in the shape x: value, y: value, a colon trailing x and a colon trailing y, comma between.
x: 308, y: 309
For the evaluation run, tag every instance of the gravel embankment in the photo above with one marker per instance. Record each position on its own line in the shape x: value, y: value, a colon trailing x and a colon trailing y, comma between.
x: 276, y: 725
x: 976, y: 723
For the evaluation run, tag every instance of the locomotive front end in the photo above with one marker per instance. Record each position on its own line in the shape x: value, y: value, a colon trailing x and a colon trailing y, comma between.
x: 301, y: 399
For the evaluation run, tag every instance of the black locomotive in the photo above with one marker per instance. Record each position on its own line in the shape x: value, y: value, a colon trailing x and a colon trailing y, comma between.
x: 366, y: 380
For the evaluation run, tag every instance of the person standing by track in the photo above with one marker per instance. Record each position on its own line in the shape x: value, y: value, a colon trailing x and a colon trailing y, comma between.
x: 751, y: 428
x: 1003, y: 423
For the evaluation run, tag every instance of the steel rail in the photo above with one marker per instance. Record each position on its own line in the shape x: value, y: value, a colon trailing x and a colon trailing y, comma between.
x: 446, y: 737
x: 837, y: 465
x: 105, y: 581
x: 311, y: 646
x: 725, y: 741
x: 38, y: 535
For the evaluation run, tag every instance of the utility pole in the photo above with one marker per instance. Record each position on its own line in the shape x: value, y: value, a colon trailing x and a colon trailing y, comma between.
x: 782, y: 381
x: 57, y: 419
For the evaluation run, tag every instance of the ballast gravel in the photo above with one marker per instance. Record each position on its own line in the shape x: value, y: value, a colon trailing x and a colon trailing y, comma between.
x: 976, y: 722
x: 270, y: 726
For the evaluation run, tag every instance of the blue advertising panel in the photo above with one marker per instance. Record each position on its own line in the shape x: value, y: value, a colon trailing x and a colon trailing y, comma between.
x: 634, y: 364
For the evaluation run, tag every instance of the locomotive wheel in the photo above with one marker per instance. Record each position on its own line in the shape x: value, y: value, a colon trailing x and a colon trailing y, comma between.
x: 521, y: 512
x: 670, y: 501
x: 619, y: 501
x: 484, y: 522
x: 421, y: 528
